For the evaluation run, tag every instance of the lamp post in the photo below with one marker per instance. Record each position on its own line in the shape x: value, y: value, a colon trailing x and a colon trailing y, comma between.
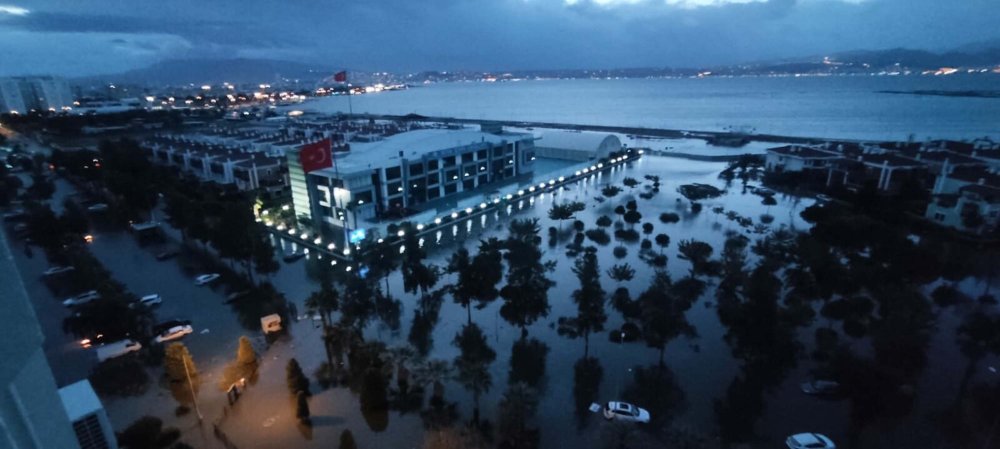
x: 194, y: 397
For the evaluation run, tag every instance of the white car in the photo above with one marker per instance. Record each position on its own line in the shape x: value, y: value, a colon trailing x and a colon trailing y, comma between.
x: 150, y: 300
x: 117, y: 349
x: 99, y: 207
x: 57, y: 270
x: 82, y: 298
x: 206, y: 279
x: 809, y: 441
x: 174, y: 333
x: 623, y: 411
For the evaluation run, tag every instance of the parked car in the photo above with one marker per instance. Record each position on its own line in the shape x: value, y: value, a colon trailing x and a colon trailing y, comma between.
x: 168, y: 254
x: 809, y: 441
x: 160, y: 328
x: 149, y: 300
x: 292, y: 257
x: 174, y: 333
x: 117, y: 349
x: 820, y: 387
x: 82, y: 298
x: 56, y: 270
x: 204, y: 279
x: 623, y: 411
x: 96, y: 339
x: 99, y: 207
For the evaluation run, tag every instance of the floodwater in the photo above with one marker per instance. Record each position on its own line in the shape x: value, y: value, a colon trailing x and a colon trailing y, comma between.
x: 703, y: 367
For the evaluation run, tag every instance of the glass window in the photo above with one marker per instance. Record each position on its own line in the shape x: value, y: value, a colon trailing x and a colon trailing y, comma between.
x: 467, y: 157
x: 393, y: 173
x: 362, y: 197
x: 450, y: 161
x: 498, y: 151
x: 416, y: 169
x: 481, y: 154
x: 433, y: 193
x: 450, y: 176
x: 450, y: 188
x: 432, y: 164
x: 433, y: 178
x: 394, y: 188
x: 469, y: 184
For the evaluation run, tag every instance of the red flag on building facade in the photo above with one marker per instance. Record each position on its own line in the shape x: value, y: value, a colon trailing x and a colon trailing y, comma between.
x: 340, y: 77
x: 316, y: 155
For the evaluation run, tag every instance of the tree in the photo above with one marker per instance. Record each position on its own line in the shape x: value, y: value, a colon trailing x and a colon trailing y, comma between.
x: 416, y: 274
x: 696, y: 252
x: 663, y: 314
x: 669, y: 217
x: 621, y: 273
x: 302, y: 408
x: 245, y: 365
x: 434, y: 372
x: 604, y: 221
x: 516, y: 409
x: 647, y: 228
x: 381, y: 260
x: 663, y: 241
x: 472, y: 363
x: 589, y: 299
x: 347, y: 440
x: 295, y: 379
x: 324, y: 302
x: 174, y: 362
x: 630, y: 182
x: 148, y: 432
x: 610, y: 190
x: 526, y: 293
x: 632, y: 217
x: 565, y: 211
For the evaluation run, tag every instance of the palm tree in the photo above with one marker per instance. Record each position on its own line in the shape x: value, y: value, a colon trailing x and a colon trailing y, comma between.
x: 324, y: 302
x: 433, y: 372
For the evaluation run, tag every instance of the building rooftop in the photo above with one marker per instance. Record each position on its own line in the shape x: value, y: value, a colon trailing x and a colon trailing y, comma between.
x: 584, y: 141
x: 413, y: 144
x: 803, y: 152
x: 79, y: 400
x: 938, y: 156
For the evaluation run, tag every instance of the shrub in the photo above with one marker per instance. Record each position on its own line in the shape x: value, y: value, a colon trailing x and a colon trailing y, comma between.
x: 646, y: 244
x: 627, y: 235
x: 598, y: 236
x: 579, y: 226
x: 620, y: 252
x: 604, y: 221
x: 647, y: 228
x: 670, y: 217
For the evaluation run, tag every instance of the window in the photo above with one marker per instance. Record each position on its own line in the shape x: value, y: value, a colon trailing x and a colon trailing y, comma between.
x: 481, y: 167
x: 498, y: 151
x: 450, y: 176
x: 469, y: 184
x: 450, y: 161
x: 432, y: 164
x: 466, y: 157
x: 416, y: 169
x: 450, y: 188
x: 481, y: 154
x: 394, y: 188
x: 433, y: 193
x: 360, y: 198
x: 433, y: 178
x: 393, y: 173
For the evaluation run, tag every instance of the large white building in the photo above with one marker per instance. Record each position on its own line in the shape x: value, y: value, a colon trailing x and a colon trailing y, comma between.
x: 406, y: 172
x: 24, y: 94
x: 32, y: 415
x: 577, y: 145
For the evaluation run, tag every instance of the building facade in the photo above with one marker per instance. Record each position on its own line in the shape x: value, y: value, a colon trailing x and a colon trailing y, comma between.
x: 31, y: 411
x: 34, y: 93
x: 406, y: 172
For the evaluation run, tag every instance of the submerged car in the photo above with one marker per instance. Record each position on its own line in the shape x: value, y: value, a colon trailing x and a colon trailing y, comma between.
x: 809, y: 441
x: 820, y: 387
x: 168, y: 254
x: 205, y: 279
x: 149, y: 300
x: 57, y: 270
x: 174, y: 333
x: 82, y: 298
x: 623, y: 411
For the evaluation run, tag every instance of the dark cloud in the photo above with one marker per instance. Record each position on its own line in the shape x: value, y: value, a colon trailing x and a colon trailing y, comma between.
x: 507, y: 34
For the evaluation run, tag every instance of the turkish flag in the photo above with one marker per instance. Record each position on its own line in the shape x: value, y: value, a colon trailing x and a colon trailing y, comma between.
x: 315, y: 156
x: 340, y: 77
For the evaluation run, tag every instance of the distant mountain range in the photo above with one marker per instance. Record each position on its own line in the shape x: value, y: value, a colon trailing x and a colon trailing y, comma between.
x: 253, y: 71
x: 179, y: 72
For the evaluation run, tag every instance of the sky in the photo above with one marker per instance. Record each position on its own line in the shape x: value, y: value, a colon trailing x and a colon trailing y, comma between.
x: 88, y: 37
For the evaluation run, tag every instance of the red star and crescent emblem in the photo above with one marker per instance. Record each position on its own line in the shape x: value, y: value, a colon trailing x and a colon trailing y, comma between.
x: 316, y: 155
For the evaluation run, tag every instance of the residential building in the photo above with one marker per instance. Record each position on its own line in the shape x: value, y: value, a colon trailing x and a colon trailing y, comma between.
x: 90, y: 421
x: 798, y: 158
x: 31, y: 411
x: 35, y: 93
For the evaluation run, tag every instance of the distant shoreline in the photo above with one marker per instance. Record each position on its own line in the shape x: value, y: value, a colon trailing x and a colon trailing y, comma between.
x: 946, y: 93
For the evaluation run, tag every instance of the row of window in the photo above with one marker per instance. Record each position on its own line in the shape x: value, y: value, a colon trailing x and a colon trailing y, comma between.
x: 418, y: 168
